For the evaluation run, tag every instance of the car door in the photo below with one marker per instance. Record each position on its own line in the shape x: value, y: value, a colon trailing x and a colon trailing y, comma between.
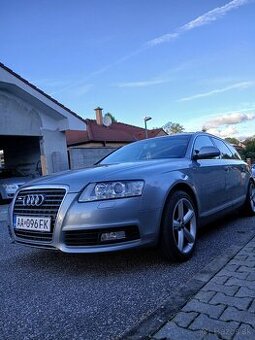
x: 209, y: 179
x: 235, y: 170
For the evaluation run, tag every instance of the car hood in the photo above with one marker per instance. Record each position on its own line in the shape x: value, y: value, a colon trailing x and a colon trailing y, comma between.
x: 15, y: 180
x: 76, y: 180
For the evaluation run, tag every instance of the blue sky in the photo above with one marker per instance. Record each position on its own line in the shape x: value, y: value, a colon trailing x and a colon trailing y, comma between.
x: 186, y: 61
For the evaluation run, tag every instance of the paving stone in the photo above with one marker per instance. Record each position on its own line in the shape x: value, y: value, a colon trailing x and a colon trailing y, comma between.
x: 231, y: 267
x: 251, y: 277
x: 174, y: 332
x: 201, y: 307
x: 247, y: 263
x: 245, y: 332
x: 211, y: 336
x: 225, y: 330
x: 204, y: 296
x: 252, y: 307
x: 250, y: 247
x: 241, y: 256
x: 233, y: 314
x: 184, y: 319
x: 219, y: 279
x: 238, y: 302
x: 250, y: 251
x: 220, y: 288
x: 245, y: 269
x: 241, y: 283
x: 237, y: 275
x: 246, y: 292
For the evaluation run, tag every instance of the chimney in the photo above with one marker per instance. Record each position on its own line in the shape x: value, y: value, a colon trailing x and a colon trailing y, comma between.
x: 99, y: 115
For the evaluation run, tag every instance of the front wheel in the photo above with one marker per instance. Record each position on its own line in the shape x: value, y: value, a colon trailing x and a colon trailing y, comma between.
x: 249, y: 206
x: 179, y: 227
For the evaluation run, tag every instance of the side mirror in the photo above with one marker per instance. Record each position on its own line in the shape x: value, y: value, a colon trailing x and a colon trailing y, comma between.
x: 206, y: 152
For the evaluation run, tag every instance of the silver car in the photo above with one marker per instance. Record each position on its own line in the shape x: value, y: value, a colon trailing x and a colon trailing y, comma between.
x: 10, y: 181
x: 154, y: 192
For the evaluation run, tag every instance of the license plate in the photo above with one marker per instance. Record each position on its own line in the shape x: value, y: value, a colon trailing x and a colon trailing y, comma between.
x: 32, y: 223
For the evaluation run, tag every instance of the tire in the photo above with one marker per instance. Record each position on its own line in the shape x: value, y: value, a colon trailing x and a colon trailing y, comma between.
x: 179, y: 227
x: 249, y: 205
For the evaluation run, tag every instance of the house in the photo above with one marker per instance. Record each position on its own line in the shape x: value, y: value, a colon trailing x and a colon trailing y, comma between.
x: 32, y: 126
x: 99, y: 139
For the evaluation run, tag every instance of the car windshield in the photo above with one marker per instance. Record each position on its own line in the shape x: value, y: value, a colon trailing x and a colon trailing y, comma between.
x: 9, y: 173
x: 156, y: 148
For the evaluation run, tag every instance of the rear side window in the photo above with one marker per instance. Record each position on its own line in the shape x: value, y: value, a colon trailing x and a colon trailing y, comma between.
x: 234, y: 152
x: 224, y: 150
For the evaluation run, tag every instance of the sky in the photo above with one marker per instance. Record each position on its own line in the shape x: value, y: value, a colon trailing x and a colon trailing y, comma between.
x: 190, y: 62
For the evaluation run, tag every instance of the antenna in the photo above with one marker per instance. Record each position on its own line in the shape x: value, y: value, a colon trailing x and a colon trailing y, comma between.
x: 107, y: 120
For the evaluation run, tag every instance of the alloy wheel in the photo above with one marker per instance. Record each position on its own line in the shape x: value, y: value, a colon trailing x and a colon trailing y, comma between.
x: 184, y: 225
x: 252, y: 196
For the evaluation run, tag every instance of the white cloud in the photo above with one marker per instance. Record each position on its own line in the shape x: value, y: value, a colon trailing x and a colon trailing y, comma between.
x: 214, y: 14
x: 202, y: 20
x: 75, y: 89
x: 241, y: 85
x: 144, y: 83
x: 162, y: 39
x: 228, y: 131
x: 229, y: 119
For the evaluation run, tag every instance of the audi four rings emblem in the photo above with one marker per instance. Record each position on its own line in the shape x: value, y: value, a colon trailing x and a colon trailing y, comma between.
x: 33, y: 200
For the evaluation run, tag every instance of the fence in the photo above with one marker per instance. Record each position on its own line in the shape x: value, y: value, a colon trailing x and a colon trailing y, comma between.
x: 83, y: 157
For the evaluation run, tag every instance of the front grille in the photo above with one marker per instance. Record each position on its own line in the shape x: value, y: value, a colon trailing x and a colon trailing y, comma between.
x: 52, y: 201
x: 92, y: 237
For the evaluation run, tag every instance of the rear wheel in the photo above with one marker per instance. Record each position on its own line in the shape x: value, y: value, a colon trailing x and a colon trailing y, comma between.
x: 249, y: 206
x: 179, y: 227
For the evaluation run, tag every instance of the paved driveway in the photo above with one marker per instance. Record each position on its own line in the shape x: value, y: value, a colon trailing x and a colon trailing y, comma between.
x: 50, y: 295
x: 3, y: 212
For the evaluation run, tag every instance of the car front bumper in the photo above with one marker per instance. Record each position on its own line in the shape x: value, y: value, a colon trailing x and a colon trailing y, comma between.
x: 141, y: 225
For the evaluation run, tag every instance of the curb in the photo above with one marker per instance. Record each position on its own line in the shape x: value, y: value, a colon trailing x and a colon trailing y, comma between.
x: 155, y: 320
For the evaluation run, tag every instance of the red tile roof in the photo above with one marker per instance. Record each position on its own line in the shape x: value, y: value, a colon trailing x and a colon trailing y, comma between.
x: 117, y: 133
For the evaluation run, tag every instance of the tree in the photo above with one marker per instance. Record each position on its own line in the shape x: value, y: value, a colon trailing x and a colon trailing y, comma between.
x: 232, y: 140
x: 171, y: 128
x: 112, y: 117
x: 248, y: 140
x: 249, y: 150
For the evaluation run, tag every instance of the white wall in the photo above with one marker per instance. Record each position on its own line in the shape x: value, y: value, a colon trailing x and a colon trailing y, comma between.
x: 18, y: 117
x: 72, y: 122
x: 53, y: 147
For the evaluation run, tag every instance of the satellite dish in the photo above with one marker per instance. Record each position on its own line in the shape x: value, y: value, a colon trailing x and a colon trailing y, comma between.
x: 107, y: 120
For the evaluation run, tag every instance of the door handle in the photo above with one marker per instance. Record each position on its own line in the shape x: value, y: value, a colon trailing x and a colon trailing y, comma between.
x: 227, y: 168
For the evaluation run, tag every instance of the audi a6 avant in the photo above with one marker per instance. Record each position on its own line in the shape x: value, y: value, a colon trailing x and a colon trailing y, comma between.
x: 152, y: 192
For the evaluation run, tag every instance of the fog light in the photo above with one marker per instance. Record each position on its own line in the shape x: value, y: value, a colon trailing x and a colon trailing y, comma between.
x: 112, y: 236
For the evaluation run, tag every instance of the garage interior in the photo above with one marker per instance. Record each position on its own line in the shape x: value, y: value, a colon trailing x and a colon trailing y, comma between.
x: 22, y: 153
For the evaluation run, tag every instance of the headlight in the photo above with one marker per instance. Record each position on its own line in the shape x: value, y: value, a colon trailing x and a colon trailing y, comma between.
x: 10, y: 187
x: 111, y: 190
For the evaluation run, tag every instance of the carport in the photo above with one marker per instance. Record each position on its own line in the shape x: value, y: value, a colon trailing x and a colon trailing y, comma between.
x: 32, y: 126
